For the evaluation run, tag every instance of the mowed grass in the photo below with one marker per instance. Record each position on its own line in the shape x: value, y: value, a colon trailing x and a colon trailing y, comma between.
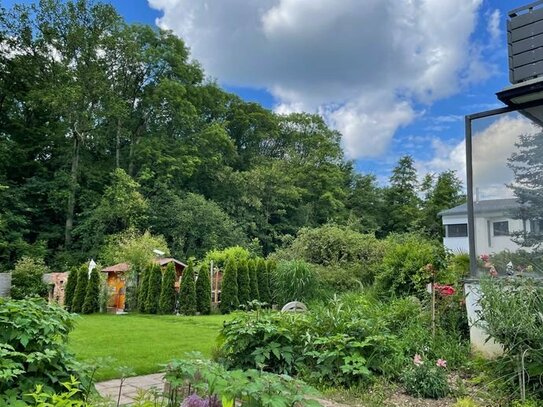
x: 141, y: 342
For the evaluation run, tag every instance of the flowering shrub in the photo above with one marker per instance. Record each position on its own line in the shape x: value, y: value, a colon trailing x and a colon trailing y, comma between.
x: 444, y: 290
x: 426, y: 379
x: 198, y: 382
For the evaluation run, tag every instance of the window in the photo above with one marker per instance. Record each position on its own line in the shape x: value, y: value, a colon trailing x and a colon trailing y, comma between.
x: 501, y: 228
x: 536, y: 227
x: 457, y: 230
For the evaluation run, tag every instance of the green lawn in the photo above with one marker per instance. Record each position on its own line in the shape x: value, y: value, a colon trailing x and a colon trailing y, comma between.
x: 142, y: 342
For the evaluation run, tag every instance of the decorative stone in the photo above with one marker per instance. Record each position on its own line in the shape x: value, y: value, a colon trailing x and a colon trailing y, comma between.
x: 294, y: 306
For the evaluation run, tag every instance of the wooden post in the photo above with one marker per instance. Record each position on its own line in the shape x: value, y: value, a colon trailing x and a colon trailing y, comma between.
x: 211, y: 277
x: 217, y: 286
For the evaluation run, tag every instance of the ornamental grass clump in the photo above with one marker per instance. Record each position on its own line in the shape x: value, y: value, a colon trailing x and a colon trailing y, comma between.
x: 426, y: 379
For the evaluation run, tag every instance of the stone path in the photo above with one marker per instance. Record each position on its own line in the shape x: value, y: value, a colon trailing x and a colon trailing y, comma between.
x: 131, y: 385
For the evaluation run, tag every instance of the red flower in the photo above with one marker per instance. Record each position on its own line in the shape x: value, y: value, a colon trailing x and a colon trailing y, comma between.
x: 444, y: 290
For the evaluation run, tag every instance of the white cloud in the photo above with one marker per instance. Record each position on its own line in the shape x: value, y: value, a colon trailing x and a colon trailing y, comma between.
x: 493, y: 25
x: 363, y: 63
x: 492, y: 146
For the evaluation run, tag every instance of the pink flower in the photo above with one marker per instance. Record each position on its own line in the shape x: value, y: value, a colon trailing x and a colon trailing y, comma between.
x: 493, y: 272
x: 417, y: 360
x: 441, y: 363
x: 484, y: 257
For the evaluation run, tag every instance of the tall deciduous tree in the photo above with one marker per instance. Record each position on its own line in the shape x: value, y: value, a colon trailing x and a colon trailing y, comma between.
x: 187, y: 291
x: 193, y: 225
x: 122, y: 207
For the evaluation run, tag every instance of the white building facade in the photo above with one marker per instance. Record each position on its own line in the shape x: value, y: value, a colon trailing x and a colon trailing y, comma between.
x: 494, y: 225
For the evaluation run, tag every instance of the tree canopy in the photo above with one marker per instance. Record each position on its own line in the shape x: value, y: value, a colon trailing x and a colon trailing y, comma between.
x: 110, y: 129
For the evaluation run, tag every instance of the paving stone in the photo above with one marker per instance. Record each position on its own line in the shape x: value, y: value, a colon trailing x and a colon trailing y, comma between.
x: 131, y: 387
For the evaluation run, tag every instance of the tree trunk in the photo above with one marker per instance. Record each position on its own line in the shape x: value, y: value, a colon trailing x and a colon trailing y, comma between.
x: 133, y: 141
x: 71, y: 198
x: 131, y: 157
x: 118, y: 145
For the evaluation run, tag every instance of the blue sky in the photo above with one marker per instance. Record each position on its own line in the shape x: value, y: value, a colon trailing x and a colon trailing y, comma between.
x: 397, y: 86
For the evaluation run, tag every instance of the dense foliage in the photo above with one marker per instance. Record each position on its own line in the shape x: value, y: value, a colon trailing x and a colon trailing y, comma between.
x: 187, y: 291
x: 143, y: 288
x: 27, y: 278
x: 203, y: 292
x: 512, y: 312
x: 344, y: 342
x: 134, y: 138
x: 33, y: 348
x: 403, y: 269
x: 200, y: 382
x: 168, y: 295
x: 294, y: 281
x: 92, y: 296
x: 69, y: 290
x: 229, y: 292
x: 154, y: 282
x: 426, y: 378
x: 80, y: 290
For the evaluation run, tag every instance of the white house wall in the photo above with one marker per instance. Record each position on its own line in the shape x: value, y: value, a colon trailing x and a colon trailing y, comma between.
x: 456, y: 244
x: 485, y: 241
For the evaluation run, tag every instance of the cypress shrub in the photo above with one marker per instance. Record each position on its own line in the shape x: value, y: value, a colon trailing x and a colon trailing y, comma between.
x: 263, y: 281
x: 253, y: 278
x: 187, y: 292
x: 270, y: 275
x: 166, y: 304
x: 80, y: 290
x: 229, y: 289
x: 244, y: 289
x: 92, y: 297
x: 143, y: 288
x: 203, y: 292
x: 69, y: 291
x: 153, y: 293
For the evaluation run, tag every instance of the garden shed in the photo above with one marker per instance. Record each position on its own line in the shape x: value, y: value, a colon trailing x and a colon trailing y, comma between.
x: 116, y: 279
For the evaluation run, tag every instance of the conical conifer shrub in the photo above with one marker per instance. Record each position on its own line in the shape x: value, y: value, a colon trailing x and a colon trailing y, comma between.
x: 229, y: 288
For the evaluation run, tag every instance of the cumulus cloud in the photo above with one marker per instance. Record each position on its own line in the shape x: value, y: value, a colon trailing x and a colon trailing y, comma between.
x: 363, y: 63
x: 492, y: 144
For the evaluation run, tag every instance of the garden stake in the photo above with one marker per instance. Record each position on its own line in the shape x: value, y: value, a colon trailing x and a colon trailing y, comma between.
x: 433, y: 310
x: 522, y: 378
x: 433, y: 271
